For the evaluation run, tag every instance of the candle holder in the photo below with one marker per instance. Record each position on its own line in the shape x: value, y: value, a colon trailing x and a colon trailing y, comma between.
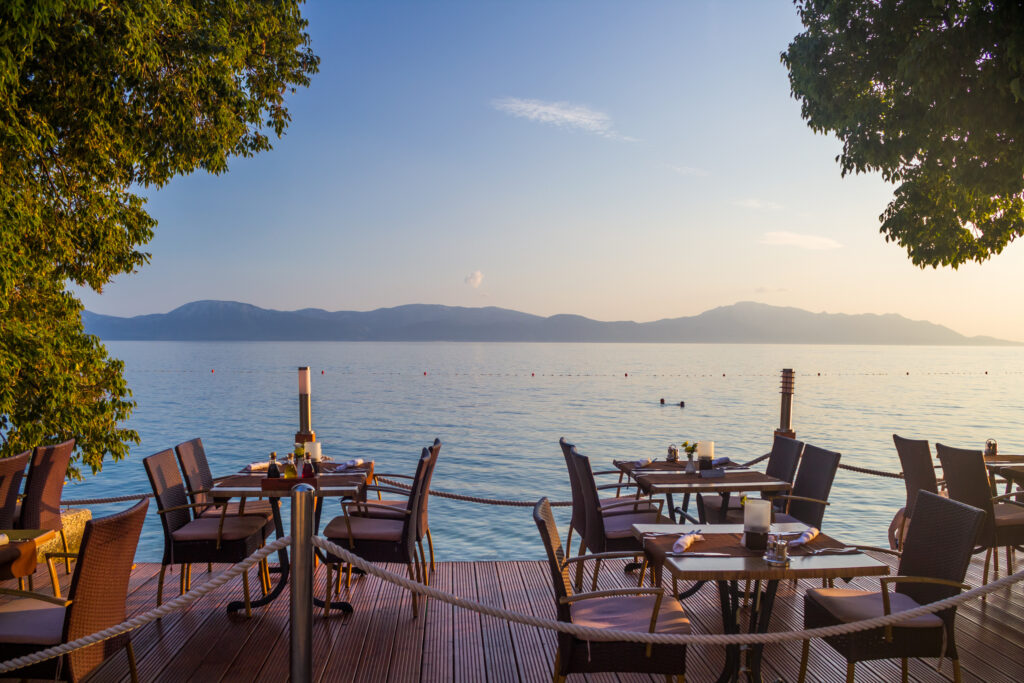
x: 757, y: 522
x: 305, y: 432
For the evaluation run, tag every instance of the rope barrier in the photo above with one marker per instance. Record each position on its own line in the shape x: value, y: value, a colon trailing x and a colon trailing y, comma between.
x: 475, y: 499
x: 602, y: 634
x: 876, y: 473
x: 179, y: 602
x: 101, y: 501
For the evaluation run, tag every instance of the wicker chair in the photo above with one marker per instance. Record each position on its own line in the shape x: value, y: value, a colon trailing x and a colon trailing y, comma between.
x: 967, y: 481
x: 932, y: 566
x: 609, y: 530
x: 396, y: 508
x: 380, y: 539
x: 918, y: 475
x: 199, y: 480
x: 806, y: 504
x: 40, y: 506
x: 782, y: 462
x: 647, y: 610
x: 96, y: 601
x: 227, y: 539
x: 12, y: 470
x: 616, y: 503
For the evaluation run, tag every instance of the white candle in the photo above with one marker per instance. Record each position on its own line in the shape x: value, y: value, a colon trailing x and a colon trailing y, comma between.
x: 313, y: 448
x: 304, y: 381
x: 757, y: 515
x: 705, y: 449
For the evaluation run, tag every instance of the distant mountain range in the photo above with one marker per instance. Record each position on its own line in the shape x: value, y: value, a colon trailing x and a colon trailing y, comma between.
x: 745, y: 322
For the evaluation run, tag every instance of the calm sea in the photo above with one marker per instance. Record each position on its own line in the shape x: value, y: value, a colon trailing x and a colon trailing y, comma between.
x: 499, y: 409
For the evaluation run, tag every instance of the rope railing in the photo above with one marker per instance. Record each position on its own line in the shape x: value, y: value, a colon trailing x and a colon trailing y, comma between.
x: 180, y: 602
x: 603, y: 634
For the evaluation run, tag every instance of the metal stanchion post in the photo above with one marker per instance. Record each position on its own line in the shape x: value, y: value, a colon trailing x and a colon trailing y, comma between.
x: 302, y: 584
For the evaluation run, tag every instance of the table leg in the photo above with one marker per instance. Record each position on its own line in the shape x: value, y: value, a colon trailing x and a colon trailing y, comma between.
x: 723, y: 512
x: 342, y: 605
x: 728, y: 594
x: 672, y: 507
x: 764, y: 615
x: 282, y: 570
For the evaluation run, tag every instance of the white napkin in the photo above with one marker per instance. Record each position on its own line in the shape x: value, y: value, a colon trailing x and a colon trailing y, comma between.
x: 354, y: 462
x: 258, y: 466
x: 4, y: 539
x: 805, y: 537
x: 642, y: 463
x: 718, y: 462
x: 684, y: 542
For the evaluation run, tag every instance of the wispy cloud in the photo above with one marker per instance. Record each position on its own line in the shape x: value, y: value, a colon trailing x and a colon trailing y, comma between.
x: 474, y: 279
x: 688, y: 170
x: 758, y: 204
x: 793, y: 239
x: 562, y: 114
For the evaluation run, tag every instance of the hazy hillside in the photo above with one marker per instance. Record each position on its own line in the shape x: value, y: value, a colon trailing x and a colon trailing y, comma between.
x: 740, y: 323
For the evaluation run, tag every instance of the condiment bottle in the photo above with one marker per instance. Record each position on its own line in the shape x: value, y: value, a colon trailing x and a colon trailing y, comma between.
x: 273, y: 471
x: 307, y: 468
x: 289, y: 468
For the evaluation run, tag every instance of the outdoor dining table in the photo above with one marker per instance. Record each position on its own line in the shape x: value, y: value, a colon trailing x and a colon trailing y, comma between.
x: 1010, y: 468
x: 668, y: 478
x: 728, y: 562
x: 331, y: 483
x: 18, y: 557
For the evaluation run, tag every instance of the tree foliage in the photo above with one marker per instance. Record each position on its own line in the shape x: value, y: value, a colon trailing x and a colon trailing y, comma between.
x: 930, y: 93
x: 98, y: 101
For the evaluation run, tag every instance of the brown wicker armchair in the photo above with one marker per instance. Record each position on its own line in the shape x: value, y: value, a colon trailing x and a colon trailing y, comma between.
x: 12, y: 470
x: 96, y: 601
x: 40, y: 506
x: 806, y: 504
x: 967, y: 481
x: 380, y: 539
x: 227, y: 539
x: 782, y: 462
x: 918, y: 475
x: 613, y: 505
x: 199, y: 480
x: 931, y: 568
x: 647, y: 610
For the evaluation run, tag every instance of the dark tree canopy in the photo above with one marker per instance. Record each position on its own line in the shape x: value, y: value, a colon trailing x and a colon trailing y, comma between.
x: 930, y: 93
x: 99, y: 100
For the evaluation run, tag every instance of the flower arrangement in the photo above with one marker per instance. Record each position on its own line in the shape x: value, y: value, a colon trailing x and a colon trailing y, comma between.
x: 690, y: 448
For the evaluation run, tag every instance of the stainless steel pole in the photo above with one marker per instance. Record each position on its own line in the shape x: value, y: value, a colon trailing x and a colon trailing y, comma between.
x: 302, y: 584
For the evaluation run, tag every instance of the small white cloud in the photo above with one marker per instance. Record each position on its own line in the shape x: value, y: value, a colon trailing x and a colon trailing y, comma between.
x: 758, y: 205
x: 474, y: 279
x: 793, y: 239
x: 563, y: 114
x: 689, y: 170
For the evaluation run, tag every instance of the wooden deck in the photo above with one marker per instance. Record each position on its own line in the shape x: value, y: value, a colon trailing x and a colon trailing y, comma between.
x: 382, y: 642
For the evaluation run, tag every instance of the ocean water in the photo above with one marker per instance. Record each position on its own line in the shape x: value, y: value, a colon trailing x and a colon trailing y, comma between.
x: 499, y: 410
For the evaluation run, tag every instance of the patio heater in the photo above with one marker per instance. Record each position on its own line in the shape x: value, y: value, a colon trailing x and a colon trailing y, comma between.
x: 786, y: 410
x: 305, y: 433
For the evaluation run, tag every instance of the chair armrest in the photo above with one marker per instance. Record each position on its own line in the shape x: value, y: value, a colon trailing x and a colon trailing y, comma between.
x: 610, y: 555
x: 367, y: 504
x: 60, y: 602
x: 190, y: 506
x: 650, y: 590
x: 1002, y: 498
x: 608, y: 472
x: 68, y: 555
x: 387, y: 489
x: 886, y: 580
x: 877, y: 549
x: 636, y: 505
x: 391, y: 474
x: 623, y: 485
x: 791, y: 497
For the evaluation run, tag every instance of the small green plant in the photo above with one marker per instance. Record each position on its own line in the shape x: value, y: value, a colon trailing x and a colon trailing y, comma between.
x: 690, y: 448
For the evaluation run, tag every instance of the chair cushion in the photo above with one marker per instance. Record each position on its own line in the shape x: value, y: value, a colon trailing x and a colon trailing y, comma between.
x: 644, y: 503
x: 630, y: 613
x: 1008, y: 514
x: 32, y: 622
x: 205, y: 529
x: 389, y: 509
x: 621, y: 526
x: 848, y: 605
x: 365, y: 528
x: 257, y: 508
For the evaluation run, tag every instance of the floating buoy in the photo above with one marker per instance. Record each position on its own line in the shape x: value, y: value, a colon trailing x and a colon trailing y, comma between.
x: 682, y: 404
x: 627, y: 374
x: 532, y: 375
x: 723, y: 374
x: 424, y: 373
x: 662, y: 401
x: 321, y: 372
x: 211, y: 369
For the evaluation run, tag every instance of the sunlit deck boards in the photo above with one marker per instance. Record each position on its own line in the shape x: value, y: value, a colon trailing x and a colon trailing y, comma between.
x: 382, y: 642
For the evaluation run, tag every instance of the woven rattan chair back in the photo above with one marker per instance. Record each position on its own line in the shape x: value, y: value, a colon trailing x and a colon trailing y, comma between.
x: 578, y: 520
x: 560, y: 579
x: 428, y: 475
x: 40, y: 507
x: 410, y: 523
x: 784, y: 458
x: 593, y: 532
x: 12, y: 470
x: 940, y: 541
x: 196, y: 470
x: 918, y: 469
x: 169, y: 491
x: 813, y: 480
x: 99, y: 586
x: 967, y: 482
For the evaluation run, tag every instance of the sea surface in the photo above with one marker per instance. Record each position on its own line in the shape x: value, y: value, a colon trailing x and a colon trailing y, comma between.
x: 499, y: 410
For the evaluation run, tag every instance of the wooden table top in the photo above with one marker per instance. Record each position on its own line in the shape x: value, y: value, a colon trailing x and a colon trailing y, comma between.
x: 248, y: 486
x: 40, y: 536
x: 755, y: 568
x: 732, y: 481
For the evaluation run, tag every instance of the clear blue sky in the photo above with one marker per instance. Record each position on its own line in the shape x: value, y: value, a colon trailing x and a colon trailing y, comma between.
x: 618, y: 160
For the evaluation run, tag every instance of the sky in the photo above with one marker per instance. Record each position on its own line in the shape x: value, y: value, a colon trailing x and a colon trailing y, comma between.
x: 622, y: 161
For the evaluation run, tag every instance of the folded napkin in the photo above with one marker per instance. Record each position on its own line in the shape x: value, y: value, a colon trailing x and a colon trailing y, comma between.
x: 4, y: 539
x: 718, y: 462
x: 684, y: 542
x: 258, y: 466
x: 642, y: 463
x: 348, y: 464
x: 805, y: 537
